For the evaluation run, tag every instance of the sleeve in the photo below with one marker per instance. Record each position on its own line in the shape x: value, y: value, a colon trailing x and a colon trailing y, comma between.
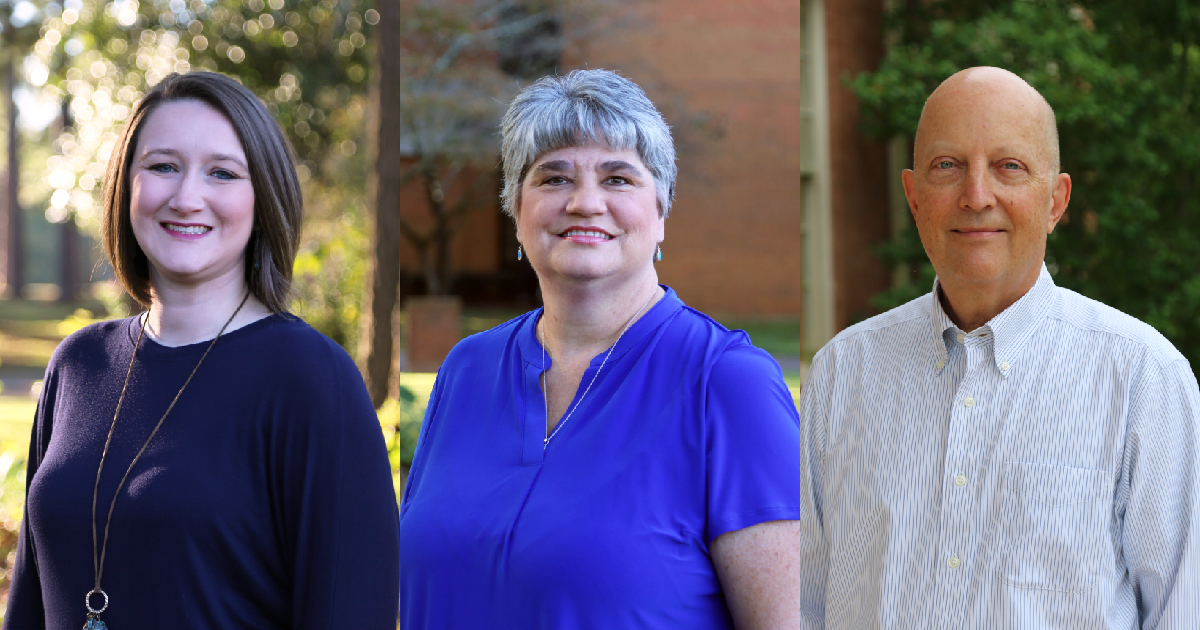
x: 416, y: 471
x: 341, y: 522
x: 753, y: 444
x: 25, y: 608
x: 814, y: 547
x: 1158, y: 499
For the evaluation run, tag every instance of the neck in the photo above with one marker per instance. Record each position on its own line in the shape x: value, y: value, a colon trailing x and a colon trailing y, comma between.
x: 185, y: 315
x: 589, y: 319
x: 970, y: 307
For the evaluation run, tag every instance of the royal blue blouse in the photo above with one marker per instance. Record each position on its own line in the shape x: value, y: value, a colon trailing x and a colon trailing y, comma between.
x: 689, y: 432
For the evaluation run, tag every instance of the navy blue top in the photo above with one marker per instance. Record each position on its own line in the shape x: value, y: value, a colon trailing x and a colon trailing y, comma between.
x: 264, y: 502
x: 688, y: 433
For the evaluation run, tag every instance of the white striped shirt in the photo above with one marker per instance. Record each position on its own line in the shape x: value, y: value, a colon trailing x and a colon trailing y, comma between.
x: 1039, y: 472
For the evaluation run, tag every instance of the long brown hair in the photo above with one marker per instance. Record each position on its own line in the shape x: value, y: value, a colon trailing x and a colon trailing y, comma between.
x: 278, y: 204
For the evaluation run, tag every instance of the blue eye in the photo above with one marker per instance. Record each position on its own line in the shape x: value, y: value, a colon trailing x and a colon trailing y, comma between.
x: 161, y: 168
x: 1012, y: 166
x: 224, y: 174
x: 944, y: 164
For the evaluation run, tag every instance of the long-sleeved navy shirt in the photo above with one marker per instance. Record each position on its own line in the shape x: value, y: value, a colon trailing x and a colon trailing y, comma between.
x: 265, y: 501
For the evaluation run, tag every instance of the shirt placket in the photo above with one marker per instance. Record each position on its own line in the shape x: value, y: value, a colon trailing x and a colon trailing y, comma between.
x: 973, y: 399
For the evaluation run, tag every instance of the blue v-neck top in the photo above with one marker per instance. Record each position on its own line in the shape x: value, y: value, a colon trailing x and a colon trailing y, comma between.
x: 688, y: 432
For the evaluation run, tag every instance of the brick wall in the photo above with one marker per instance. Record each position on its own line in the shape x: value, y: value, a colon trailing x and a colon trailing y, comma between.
x: 729, y: 76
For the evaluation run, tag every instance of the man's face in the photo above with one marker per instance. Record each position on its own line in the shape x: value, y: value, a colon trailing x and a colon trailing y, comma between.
x: 983, y: 189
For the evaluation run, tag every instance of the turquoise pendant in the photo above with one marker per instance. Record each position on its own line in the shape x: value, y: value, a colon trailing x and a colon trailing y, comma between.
x: 94, y: 623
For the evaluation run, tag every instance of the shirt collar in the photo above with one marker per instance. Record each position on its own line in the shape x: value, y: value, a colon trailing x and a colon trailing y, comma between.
x: 1010, y: 330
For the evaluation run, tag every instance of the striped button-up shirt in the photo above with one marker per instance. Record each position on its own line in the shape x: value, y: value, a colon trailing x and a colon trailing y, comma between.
x: 1038, y: 472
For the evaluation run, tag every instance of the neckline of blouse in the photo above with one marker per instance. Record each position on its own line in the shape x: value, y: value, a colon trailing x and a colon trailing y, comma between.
x: 531, y: 348
x: 152, y: 350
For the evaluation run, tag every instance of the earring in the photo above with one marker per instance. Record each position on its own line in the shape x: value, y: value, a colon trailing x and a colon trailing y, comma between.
x: 658, y: 254
x: 520, y: 254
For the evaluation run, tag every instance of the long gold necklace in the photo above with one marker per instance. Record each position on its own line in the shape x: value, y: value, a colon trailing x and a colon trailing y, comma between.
x: 93, y: 622
x: 545, y: 380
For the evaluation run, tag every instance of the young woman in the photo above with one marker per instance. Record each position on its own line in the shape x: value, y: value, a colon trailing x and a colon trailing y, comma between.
x: 212, y: 462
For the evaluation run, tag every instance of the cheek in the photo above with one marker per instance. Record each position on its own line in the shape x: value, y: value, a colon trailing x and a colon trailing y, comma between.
x: 239, y: 209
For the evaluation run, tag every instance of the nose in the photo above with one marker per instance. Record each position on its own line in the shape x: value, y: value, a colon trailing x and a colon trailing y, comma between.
x: 977, y: 194
x: 586, y: 199
x: 189, y: 194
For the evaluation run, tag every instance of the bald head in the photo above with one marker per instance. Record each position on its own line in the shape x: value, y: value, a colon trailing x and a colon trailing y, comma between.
x: 983, y: 92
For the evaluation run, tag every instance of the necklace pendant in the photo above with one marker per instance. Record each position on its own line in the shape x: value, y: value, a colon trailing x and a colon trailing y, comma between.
x: 93, y: 623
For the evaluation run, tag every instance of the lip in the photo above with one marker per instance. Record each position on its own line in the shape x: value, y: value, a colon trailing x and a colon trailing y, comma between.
x: 978, y: 233
x: 168, y: 225
x: 586, y: 234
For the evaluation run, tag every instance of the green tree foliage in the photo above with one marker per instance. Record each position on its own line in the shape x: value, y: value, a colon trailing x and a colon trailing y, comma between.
x: 308, y: 60
x: 1123, y: 78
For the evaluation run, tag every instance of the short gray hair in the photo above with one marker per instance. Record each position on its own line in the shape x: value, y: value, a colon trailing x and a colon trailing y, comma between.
x: 586, y: 106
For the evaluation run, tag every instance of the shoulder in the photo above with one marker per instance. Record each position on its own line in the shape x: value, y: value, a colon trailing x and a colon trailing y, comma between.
x: 731, y: 359
x: 486, y: 345
x: 287, y: 346
x: 899, y: 328
x: 95, y: 342
x: 1108, y: 325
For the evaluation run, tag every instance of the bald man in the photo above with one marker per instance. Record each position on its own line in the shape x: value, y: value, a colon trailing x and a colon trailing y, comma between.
x: 1000, y: 453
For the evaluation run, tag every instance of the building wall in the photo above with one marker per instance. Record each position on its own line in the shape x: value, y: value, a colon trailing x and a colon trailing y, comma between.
x: 733, y: 241
x: 854, y: 37
x: 731, y: 77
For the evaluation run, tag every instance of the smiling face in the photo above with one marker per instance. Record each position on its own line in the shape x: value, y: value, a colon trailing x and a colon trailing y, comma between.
x: 191, y: 198
x: 984, y: 190
x: 589, y: 213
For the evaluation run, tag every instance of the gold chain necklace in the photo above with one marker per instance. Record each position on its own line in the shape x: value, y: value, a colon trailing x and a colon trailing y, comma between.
x: 93, y: 622
x: 546, y: 380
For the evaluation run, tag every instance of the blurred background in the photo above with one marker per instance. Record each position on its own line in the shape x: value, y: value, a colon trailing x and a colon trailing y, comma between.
x: 793, y: 120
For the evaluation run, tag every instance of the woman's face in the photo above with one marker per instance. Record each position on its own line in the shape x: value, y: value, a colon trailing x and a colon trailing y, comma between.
x: 192, y: 202
x: 589, y: 213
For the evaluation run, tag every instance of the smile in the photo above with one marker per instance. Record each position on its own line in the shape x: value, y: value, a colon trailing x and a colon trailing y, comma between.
x: 191, y: 230
x: 586, y: 234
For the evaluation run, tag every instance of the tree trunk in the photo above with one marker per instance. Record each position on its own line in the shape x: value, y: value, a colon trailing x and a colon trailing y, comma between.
x: 384, y: 272
x: 15, y: 259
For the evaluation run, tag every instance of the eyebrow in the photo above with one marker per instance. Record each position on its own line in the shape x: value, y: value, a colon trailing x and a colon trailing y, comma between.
x: 559, y: 166
x: 552, y: 166
x: 619, y: 165
x: 218, y: 157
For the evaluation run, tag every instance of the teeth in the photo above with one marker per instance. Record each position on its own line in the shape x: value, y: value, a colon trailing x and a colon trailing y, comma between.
x: 187, y: 229
x: 592, y: 233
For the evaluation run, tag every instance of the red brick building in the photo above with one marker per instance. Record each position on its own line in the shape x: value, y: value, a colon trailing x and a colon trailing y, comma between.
x: 780, y: 198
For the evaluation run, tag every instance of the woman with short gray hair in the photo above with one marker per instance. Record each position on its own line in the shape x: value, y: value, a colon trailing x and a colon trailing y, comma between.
x: 614, y: 459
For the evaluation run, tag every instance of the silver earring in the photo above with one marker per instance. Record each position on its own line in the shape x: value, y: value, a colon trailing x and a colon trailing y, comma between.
x: 520, y: 254
x: 658, y: 254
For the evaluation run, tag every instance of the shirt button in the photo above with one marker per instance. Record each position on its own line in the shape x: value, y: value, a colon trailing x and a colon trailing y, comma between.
x: 961, y: 337
x: 1004, y: 366
x: 940, y: 364
x: 969, y: 401
x: 954, y: 562
x: 960, y: 481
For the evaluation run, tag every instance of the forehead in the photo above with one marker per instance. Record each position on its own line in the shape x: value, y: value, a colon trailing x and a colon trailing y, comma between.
x: 188, y: 125
x: 588, y: 156
x: 987, y: 121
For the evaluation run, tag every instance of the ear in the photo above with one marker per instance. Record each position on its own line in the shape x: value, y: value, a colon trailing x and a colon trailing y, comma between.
x: 908, y: 177
x: 1061, y: 197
